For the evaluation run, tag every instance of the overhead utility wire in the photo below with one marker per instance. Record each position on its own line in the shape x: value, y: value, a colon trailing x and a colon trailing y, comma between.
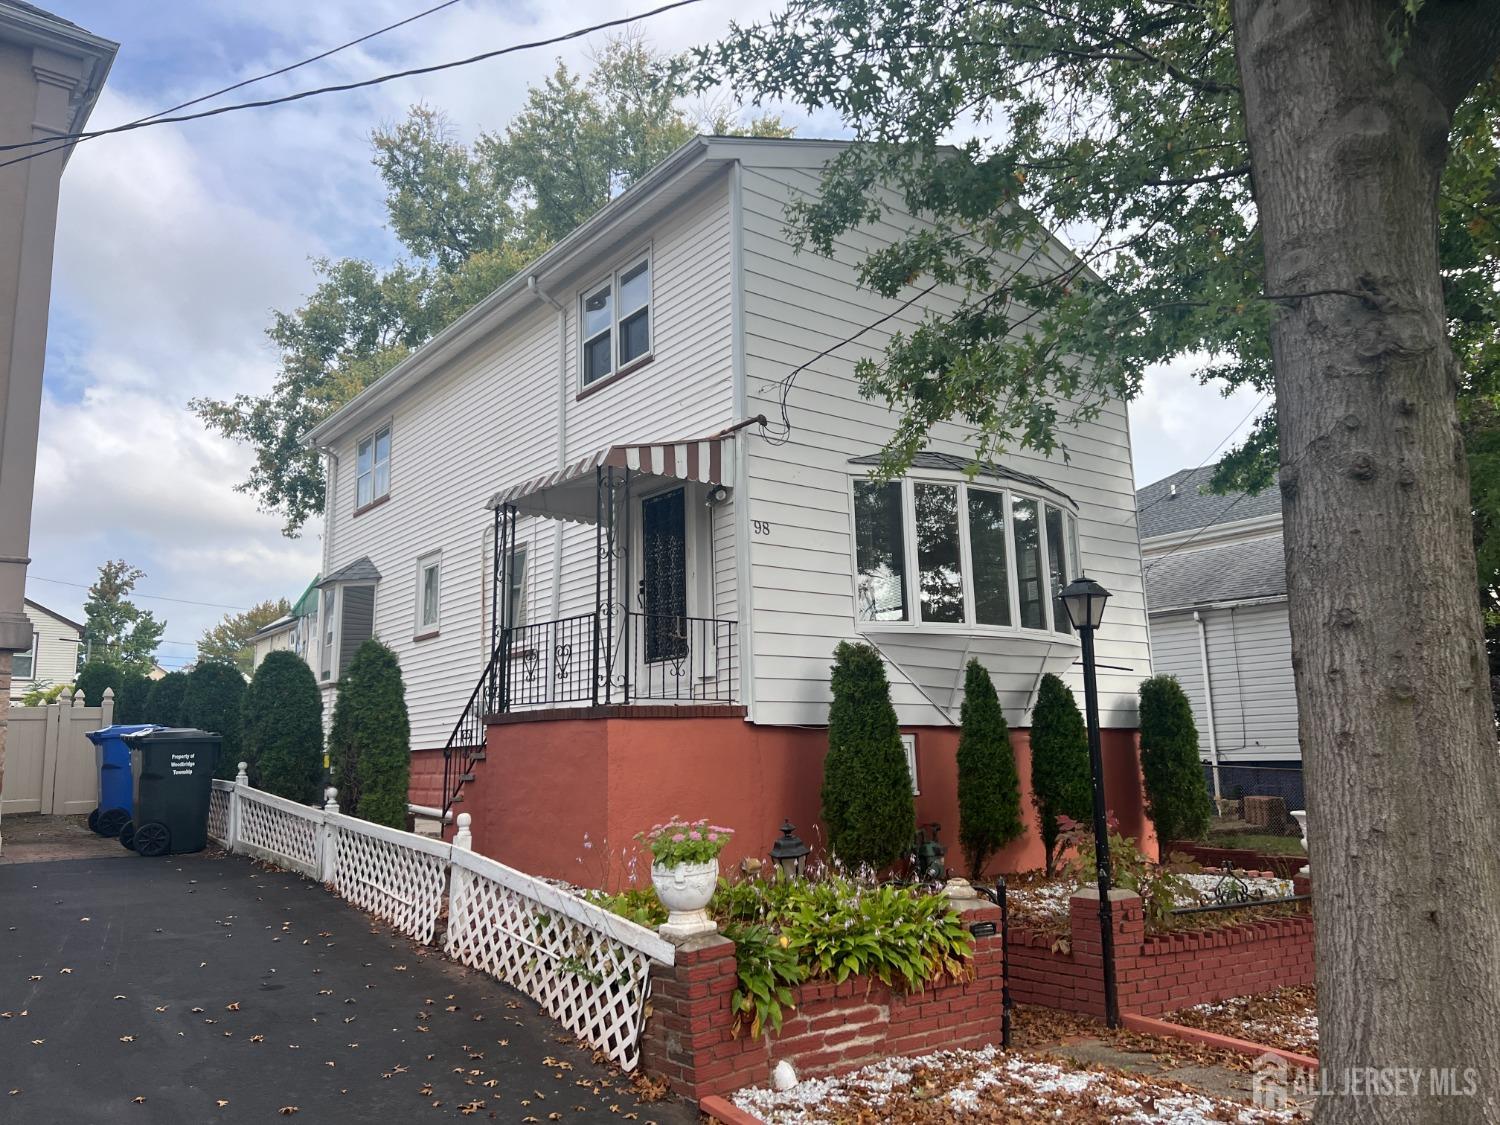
x: 1167, y: 495
x: 137, y: 594
x: 578, y: 33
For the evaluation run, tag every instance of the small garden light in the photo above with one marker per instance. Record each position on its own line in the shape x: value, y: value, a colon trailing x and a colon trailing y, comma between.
x: 790, y: 853
x: 1084, y: 600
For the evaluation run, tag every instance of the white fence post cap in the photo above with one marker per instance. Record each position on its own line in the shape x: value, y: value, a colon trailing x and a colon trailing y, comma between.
x: 243, y: 778
x: 463, y: 838
x: 109, y: 693
x: 330, y: 799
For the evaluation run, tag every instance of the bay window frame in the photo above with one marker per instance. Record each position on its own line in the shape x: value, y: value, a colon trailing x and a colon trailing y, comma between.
x: 911, y: 578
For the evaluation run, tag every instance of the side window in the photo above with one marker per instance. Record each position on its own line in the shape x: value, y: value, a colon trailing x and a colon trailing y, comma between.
x: 330, y: 626
x: 429, y: 592
x: 517, y: 589
x: 373, y: 468
x: 880, y: 550
x: 23, y: 664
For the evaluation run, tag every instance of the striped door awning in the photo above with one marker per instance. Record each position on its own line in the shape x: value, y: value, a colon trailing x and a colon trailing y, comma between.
x: 568, y: 493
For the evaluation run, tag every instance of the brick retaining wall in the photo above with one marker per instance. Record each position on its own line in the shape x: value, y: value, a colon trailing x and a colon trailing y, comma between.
x: 1161, y: 972
x: 1283, y: 865
x: 834, y: 1028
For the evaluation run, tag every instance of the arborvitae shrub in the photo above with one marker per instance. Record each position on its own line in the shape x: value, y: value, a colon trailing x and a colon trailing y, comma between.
x: 867, y: 798
x: 1061, y: 782
x: 371, y: 727
x: 283, y: 728
x: 215, y: 693
x: 94, y: 677
x: 989, y: 790
x: 164, y: 701
x: 131, y: 697
x: 1176, y: 791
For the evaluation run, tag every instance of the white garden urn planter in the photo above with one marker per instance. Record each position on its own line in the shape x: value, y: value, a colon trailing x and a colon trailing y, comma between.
x: 1300, y: 816
x: 685, y: 890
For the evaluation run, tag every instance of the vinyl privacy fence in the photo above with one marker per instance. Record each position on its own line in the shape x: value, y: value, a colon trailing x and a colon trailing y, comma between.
x: 587, y: 968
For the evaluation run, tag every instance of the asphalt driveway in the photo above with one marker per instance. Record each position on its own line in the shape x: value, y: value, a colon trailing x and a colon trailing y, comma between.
x: 205, y: 988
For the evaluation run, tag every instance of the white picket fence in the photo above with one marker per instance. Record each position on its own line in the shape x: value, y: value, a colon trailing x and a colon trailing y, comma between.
x: 588, y: 968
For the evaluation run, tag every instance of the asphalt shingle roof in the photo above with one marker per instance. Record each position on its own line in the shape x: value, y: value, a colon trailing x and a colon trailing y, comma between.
x: 1160, y: 513
x: 1253, y: 568
x: 360, y: 570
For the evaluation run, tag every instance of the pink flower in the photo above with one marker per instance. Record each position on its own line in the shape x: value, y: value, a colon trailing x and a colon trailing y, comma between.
x: 713, y: 837
x: 695, y: 834
x: 678, y: 838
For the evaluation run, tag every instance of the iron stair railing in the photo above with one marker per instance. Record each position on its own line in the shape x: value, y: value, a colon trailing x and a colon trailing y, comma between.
x: 467, y: 739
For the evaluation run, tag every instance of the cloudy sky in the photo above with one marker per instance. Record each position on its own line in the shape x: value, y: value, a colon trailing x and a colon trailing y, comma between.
x: 175, y: 243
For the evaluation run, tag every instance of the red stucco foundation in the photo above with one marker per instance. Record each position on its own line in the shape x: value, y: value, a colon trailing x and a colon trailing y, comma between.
x: 563, y: 794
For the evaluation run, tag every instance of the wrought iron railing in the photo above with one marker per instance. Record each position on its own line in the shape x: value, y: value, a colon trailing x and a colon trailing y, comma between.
x: 678, y: 658
x: 589, y: 659
x: 547, y: 663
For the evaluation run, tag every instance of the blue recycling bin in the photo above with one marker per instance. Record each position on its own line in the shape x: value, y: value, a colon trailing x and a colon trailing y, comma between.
x: 116, y: 788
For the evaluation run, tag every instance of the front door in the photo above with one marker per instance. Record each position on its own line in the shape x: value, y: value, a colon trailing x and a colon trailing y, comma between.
x: 664, y: 580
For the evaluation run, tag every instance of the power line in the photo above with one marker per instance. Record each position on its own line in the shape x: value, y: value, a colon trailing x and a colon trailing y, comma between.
x: 136, y: 594
x: 145, y: 123
x: 1167, y: 495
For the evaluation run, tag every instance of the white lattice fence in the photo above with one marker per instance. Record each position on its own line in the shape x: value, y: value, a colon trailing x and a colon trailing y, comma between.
x: 280, y: 831
x: 218, y: 811
x: 588, y: 969
x: 398, y: 876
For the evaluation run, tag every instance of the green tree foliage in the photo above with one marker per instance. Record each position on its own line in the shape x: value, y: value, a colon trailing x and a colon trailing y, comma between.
x: 283, y: 728
x: 867, y: 799
x: 1176, y: 792
x: 469, y: 217
x: 229, y: 642
x: 117, y: 630
x: 97, y: 675
x: 1061, y: 783
x: 213, y: 701
x: 370, y: 742
x: 131, y: 698
x: 989, y: 790
x: 164, y: 701
x: 41, y: 696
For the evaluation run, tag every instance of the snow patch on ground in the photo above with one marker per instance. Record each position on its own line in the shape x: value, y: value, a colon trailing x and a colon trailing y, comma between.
x: 972, y: 1083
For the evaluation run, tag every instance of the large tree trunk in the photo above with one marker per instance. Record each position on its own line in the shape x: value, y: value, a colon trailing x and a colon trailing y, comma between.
x: 1392, y: 680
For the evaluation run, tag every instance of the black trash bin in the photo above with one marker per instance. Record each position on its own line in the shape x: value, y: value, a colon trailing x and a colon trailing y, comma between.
x: 173, y: 772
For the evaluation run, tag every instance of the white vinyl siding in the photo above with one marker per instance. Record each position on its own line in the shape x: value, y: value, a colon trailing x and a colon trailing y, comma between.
x: 1250, y: 668
x: 55, y: 646
x: 802, y: 601
x: 491, y: 418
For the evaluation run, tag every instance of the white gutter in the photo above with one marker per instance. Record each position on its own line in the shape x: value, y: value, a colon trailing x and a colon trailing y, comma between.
x: 562, y: 430
x: 1208, y: 700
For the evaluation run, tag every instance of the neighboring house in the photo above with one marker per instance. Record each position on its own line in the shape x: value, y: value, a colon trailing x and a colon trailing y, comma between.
x: 294, y: 631
x: 1216, y: 594
x: 51, y: 72
x: 53, y: 655
x: 673, y: 571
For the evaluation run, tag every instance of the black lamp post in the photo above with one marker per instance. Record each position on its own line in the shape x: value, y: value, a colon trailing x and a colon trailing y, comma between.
x: 1084, y: 599
x: 789, y: 853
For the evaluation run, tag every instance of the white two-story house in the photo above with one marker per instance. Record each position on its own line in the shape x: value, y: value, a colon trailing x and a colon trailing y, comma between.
x: 614, y: 546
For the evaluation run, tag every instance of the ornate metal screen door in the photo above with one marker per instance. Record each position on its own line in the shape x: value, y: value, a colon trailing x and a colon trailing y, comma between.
x: 663, y: 584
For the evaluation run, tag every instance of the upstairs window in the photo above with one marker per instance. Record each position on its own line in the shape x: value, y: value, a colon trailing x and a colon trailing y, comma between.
x: 372, y: 480
x: 982, y: 557
x: 615, y: 322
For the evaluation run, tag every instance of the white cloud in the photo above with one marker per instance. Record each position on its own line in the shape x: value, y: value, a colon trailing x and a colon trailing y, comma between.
x: 1177, y: 423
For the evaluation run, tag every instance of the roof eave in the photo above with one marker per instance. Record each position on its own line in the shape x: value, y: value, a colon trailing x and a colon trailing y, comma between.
x: 489, y: 313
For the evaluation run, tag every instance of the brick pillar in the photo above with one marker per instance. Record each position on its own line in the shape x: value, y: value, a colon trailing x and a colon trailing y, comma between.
x: 687, y: 1040
x: 1129, y: 933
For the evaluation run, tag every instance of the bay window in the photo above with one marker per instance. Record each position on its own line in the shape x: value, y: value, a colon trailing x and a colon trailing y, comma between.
x: 981, y: 555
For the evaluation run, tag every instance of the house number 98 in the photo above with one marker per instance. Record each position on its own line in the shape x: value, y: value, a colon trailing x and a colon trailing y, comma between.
x: 760, y: 527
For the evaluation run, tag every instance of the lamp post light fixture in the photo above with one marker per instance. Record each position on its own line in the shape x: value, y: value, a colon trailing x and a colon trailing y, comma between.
x: 1084, y: 600
x: 789, y: 853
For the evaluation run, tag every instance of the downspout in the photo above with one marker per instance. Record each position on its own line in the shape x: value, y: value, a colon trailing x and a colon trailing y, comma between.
x: 562, y: 430
x: 1208, y: 700
x: 740, y: 391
